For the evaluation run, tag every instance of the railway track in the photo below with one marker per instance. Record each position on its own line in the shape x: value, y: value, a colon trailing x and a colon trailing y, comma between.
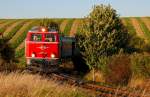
x: 101, y: 91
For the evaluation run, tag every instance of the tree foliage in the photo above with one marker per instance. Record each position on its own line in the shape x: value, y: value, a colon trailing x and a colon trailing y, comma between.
x: 102, y: 34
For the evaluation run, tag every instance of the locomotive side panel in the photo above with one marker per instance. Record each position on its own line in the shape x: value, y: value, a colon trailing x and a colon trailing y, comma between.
x: 67, y: 46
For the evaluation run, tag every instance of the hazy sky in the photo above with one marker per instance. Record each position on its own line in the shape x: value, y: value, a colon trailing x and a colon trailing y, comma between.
x: 68, y: 8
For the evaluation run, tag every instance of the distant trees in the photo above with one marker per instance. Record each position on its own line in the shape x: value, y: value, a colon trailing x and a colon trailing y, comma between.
x: 102, y: 34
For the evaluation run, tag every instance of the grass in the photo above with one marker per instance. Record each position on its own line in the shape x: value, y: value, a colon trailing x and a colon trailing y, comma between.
x: 27, y: 85
x: 140, y: 86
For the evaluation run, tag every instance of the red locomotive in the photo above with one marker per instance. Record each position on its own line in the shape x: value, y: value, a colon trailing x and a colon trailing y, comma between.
x: 44, y: 44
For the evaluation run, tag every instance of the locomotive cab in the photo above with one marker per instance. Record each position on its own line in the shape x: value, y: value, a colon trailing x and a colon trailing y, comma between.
x: 42, y: 44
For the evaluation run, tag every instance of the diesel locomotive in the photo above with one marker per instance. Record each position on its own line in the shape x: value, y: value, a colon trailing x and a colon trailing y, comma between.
x: 47, y: 47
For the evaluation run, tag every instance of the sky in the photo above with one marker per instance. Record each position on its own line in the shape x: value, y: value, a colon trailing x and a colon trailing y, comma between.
x: 69, y: 8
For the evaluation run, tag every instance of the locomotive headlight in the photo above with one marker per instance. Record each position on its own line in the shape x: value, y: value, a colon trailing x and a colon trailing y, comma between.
x: 33, y: 55
x: 43, y: 29
x: 52, y: 55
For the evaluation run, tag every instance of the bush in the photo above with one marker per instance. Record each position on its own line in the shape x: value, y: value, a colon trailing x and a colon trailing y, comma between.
x: 119, y: 70
x: 7, y: 52
x: 7, y: 58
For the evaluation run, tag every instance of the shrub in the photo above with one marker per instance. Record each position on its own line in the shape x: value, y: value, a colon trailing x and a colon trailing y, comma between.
x: 6, y: 57
x: 7, y: 53
x: 119, y: 70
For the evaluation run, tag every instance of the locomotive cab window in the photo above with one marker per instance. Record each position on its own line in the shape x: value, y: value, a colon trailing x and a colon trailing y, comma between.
x: 50, y: 38
x: 36, y: 37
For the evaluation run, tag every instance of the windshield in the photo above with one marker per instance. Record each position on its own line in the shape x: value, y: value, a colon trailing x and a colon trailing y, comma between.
x: 36, y: 37
x: 50, y: 38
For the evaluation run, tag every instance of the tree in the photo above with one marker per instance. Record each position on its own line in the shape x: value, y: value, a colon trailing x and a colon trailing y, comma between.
x: 102, y: 35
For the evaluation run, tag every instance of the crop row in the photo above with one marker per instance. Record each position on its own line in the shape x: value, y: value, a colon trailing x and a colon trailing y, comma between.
x: 144, y: 28
x: 14, y: 30
x: 21, y: 34
x: 129, y: 26
x: 68, y: 27
x: 5, y: 25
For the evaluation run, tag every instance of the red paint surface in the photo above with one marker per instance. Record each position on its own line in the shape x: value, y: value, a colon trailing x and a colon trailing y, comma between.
x: 42, y: 49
